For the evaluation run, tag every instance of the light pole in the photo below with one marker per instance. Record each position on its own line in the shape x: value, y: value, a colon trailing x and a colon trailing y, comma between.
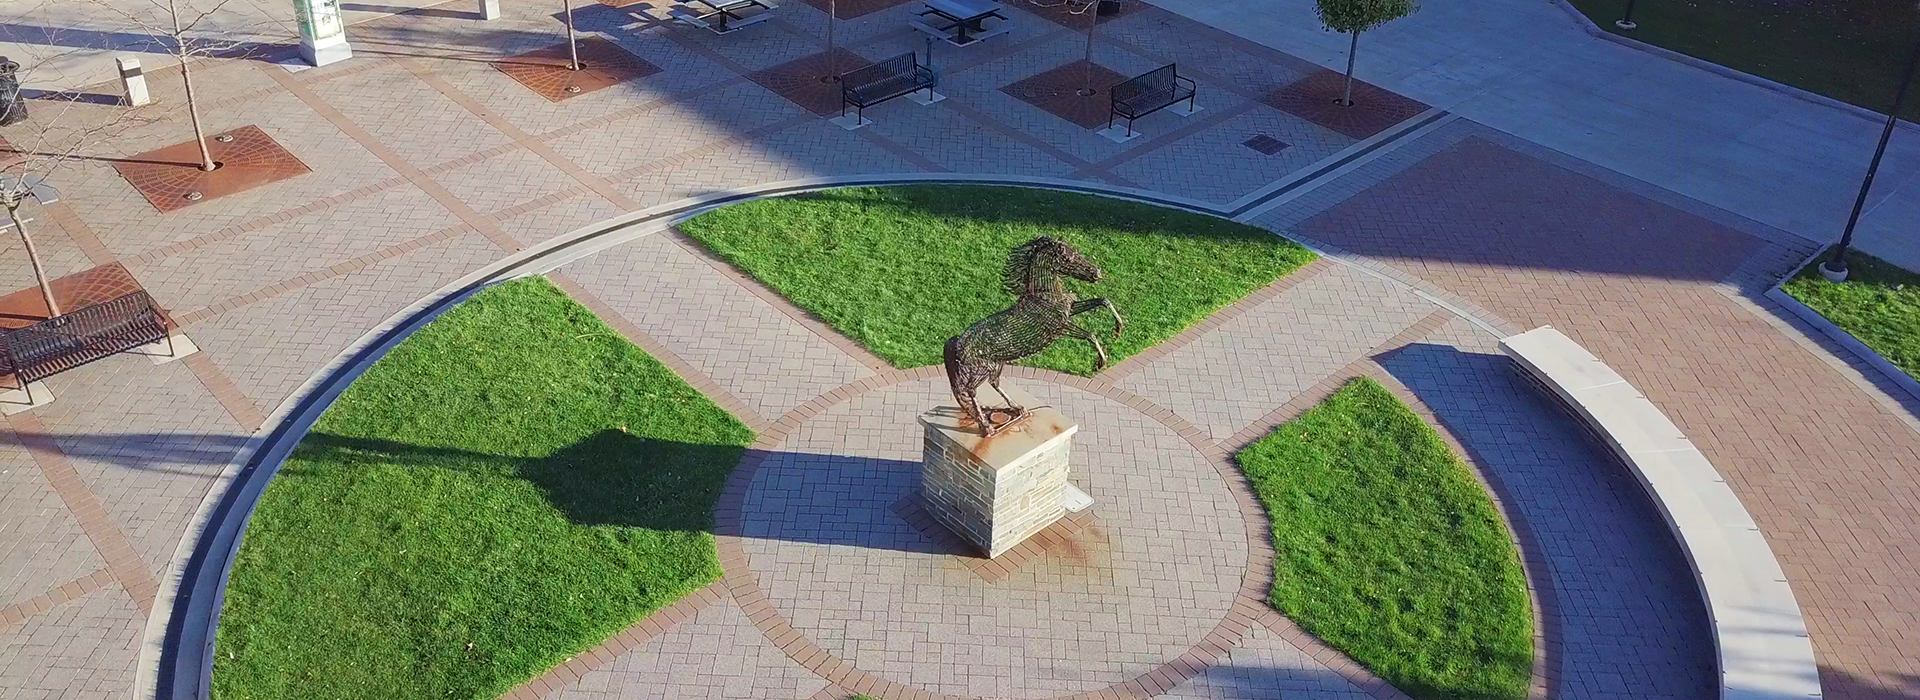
x: 1835, y: 268
x: 1625, y: 23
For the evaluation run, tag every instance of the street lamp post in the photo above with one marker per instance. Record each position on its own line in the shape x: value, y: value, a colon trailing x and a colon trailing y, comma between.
x: 1835, y: 268
x: 1625, y: 23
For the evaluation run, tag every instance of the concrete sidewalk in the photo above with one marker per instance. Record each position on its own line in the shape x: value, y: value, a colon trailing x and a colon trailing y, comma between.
x: 1527, y: 67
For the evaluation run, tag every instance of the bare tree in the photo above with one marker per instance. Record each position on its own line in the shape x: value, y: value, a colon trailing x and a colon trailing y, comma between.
x: 176, y: 28
x: 62, y: 128
x: 573, y: 42
x: 1080, y: 7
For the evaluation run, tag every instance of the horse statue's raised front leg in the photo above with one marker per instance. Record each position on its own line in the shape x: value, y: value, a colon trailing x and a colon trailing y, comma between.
x: 1074, y: 329
x: 1081, y: 307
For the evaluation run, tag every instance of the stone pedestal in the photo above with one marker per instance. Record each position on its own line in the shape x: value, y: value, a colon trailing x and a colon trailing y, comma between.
x: 998, y: 491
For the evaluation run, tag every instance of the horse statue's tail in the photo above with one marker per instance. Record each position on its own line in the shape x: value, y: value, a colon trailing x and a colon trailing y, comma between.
x: 957, y: 380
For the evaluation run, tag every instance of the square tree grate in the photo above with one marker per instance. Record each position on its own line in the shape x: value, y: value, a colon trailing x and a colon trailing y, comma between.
x: 1266, y: 145
x: 604, y: 65
x: 171, y: 178
x: 1057, y: 92
x: 1314, y: 98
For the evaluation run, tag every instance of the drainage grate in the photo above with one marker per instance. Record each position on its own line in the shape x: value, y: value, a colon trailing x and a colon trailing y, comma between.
x: 1266, y: 145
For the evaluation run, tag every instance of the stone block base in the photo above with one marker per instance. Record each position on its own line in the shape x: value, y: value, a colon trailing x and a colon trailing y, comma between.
x: 996, y: 492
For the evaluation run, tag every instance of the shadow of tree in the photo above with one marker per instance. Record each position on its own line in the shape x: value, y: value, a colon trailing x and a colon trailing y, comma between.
x: 609, y: 478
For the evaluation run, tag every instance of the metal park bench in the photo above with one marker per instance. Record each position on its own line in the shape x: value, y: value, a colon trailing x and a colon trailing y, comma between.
x: 884, y: 80
x: 1158, y: 89
x: 55, y: 345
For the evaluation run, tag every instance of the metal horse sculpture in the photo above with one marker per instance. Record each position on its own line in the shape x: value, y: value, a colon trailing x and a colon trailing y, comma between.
x: 1044, y: 313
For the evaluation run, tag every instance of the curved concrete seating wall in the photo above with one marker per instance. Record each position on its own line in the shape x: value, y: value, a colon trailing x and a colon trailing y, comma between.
x: 1760, y: 638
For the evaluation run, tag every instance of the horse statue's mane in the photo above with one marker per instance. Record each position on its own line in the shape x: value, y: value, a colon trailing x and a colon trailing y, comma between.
x: 1017, y: 276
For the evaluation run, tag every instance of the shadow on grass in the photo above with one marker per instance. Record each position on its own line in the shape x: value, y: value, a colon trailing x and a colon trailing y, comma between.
x: 999, y: 205
x: 610, y: 478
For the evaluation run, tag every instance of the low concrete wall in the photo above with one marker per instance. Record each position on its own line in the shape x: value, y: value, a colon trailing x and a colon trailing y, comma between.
x: 1760, y: 638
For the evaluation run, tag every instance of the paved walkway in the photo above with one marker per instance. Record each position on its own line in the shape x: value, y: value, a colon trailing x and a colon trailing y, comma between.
x: 1526, y: 67
x: 274, y: 283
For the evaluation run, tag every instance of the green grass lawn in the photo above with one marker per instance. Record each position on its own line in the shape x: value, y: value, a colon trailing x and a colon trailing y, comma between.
x: 510, y: 486
x: 1849, y: 50
x: 901, y: 269
x: 1388, y: 549
x: 1878, y: 304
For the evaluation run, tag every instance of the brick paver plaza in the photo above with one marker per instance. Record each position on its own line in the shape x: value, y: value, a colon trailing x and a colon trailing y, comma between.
x: 428, y: 163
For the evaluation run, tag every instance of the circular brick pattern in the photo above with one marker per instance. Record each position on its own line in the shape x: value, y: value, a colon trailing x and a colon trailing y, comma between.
x: 1154, y: 577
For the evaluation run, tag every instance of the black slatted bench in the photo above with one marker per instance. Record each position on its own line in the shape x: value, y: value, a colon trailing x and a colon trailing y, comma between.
x: 61, y: 343
x: 881, y: 81
x: 1151, y: 92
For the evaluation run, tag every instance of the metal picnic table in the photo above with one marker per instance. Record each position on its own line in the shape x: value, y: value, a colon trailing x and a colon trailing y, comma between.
x: 963, y: 17
x: 727, y: 15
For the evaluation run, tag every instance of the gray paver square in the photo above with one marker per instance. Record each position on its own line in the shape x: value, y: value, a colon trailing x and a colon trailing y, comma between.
x: 814, y: 148
x: 83, y: 649
x: 658, y: 133
x: 1214, y: 165
x: 209, y: 274
x: 718, y: 653
x: 752, y: 349
x: 423, y: 126
x: 504, y: 180
x: 147, y: 440
x: 959, y: 144
x: 1253, y: 364
x: 867, y: 586
x: 41, y: 545
x: 756, y: 48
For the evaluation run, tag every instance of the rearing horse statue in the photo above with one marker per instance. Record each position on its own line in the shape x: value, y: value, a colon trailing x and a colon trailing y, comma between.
x: 1043, y: 314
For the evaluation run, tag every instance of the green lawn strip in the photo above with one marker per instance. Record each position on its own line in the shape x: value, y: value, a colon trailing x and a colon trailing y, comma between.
x: 507, y: 488
x: 1388, y: 549
x: 1879, y: 304
x: 901, y: 269
x: 1850, y: 50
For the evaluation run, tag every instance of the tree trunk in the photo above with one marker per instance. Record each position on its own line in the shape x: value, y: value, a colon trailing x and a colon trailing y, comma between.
x: 573, y: 45
x: 1353, y: 48
x: 1093, y: 20
x: 186, y: 77
x: 193, y: 115
x: 33, y: 255
x: 833, y: 17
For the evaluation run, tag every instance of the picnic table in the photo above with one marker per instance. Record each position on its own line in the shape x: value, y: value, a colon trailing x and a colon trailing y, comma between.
x: 964, y: 18
x: 725, y: 15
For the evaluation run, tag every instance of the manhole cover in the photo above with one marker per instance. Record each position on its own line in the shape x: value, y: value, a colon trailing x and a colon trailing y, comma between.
x: 1266, y: 145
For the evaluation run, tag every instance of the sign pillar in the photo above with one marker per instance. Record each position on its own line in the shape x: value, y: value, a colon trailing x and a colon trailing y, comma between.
x: 323, y: 36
